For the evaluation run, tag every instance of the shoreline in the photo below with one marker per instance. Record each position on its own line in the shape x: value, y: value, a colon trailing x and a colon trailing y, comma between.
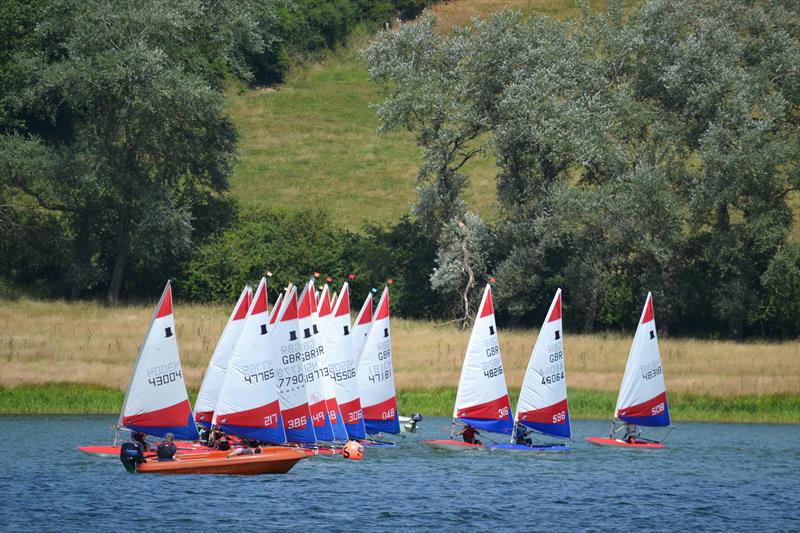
x: 76, y: 399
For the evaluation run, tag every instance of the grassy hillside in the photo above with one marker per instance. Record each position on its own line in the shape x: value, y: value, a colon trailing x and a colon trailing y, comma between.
x: 313, y: 142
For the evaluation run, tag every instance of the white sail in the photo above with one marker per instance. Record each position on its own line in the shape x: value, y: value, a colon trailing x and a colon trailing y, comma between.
x: 315, y: 364
x: 643, y: 394
x: 288, y: 351
x: 543, y: 398
x: 212, y: 382
x: 342, y: 365
x: 247, y: 404
x: 376, y: 374
x: 482, y: 397
x: 156, y: 401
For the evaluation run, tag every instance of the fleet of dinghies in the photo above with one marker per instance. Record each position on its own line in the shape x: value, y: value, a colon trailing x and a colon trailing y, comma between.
x: 482, y: 399
x: 276, y: 378
x: 302, y: 380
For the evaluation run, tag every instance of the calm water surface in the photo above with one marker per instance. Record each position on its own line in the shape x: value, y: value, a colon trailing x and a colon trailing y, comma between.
x: 711, y: 476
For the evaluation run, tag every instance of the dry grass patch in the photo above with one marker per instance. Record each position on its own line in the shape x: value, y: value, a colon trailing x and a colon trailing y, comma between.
x: 429, y: 357
x: 59, y: 342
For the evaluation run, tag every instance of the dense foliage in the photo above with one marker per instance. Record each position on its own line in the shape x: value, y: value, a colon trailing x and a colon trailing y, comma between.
x: 651, y: 150
x: 654, y: 151
x: 115, y: 148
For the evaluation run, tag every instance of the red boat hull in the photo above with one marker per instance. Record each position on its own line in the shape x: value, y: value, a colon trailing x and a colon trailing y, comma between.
x: 453, y: 445
x: 601, y: 441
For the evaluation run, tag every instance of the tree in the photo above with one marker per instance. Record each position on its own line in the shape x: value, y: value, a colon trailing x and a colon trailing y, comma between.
x: 122, y: 101
x: 649, y: 150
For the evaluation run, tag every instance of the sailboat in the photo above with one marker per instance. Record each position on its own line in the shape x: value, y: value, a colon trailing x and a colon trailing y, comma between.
x: 376, y: 375
x: 156, y: 402
x: 542, y: 405
x: 247, y: 404
x: 482, y: 398
x: 288, y: 354
x: 322, y: 403
x: 308, y: 358
x: 215, y: 374
x: 342, y: 364
x: 642, y: 399
x: 333, y: 416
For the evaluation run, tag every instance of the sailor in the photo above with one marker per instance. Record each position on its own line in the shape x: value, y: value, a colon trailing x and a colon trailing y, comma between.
x: 468, y: 434
x: 166, y: 449
x: 521, y: 436
x: 631, y: 432
x: 250, y: 447
x: 138, y: 436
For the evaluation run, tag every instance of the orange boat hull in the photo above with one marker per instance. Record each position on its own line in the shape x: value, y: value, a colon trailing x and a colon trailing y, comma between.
x: 272, y: 460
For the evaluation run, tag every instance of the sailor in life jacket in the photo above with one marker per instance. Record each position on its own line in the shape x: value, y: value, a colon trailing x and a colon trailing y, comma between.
x: 631, y: 432
x: 166, y: 449
x: 250, y: 447
x: 468, y: 434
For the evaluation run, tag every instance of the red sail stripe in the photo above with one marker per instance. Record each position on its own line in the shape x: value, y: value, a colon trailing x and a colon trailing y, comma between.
x: 344, y: 306
x: 386, y: 410
x: 556, y: 314
x: 290, y: 302
x: 488, y: 308
x: 648, y: 312
x: 264, y: 416
x: 241, y: 311
x: 166, y: 303
x: 652, y: 407
x: 383, y: 312
x: 174, y: 415
x: 545, y: 414
x: 494, y: 410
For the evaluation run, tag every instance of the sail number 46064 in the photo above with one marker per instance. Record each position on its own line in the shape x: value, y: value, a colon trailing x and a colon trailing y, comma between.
x: 554, y: 378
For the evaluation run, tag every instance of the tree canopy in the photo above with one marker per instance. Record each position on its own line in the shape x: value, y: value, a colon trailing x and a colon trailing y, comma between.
x: 649, y: 150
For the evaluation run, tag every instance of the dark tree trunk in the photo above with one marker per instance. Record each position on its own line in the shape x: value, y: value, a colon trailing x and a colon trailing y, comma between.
x: 121, y: 257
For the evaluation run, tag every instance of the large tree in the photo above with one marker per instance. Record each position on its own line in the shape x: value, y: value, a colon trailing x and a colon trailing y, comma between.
x: 647, y: 150
x: 114, y: 128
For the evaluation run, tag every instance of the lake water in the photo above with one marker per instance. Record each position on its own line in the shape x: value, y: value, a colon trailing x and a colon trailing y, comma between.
x: 711, y: 477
